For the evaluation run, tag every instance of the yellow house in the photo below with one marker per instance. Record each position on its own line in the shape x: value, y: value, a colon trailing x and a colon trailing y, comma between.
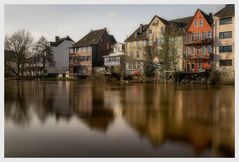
x: 224, y: 42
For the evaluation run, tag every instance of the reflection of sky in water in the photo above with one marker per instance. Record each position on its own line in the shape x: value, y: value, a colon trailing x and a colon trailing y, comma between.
x: 81, y: 119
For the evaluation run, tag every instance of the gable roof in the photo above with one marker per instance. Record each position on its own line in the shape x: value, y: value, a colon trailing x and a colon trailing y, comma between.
x: 207, y: 17
x: 160, y: 18
x: 181, y: 22
x: 112, y: 38
x: 137, y: 34
x: 93, y: 37
x: 228, y: 10
x: 57, y: 43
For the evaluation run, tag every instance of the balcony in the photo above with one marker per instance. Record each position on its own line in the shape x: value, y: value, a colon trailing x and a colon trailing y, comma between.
x: 198, y: 42
x: 198, y: 56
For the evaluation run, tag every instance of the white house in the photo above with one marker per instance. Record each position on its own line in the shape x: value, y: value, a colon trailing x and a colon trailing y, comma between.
x: 115, y: 61
x: 60, y: 50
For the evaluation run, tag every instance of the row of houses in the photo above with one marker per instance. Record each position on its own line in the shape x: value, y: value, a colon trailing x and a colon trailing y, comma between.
x: 206, y: 42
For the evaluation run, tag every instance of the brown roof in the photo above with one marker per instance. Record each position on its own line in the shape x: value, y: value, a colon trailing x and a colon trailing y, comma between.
x: 207, y: 17
x: 93, y: 37
x: 229, y: 10
x: 160, y: 18
x: 57, y: 43
x: 137, y: 34
x: 181, y: 22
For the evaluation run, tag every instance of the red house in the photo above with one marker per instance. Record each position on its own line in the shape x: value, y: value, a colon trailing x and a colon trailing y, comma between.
x: 198, y: 43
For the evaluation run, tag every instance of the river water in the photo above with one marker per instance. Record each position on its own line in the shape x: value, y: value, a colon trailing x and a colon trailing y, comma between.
x: 76, y: 119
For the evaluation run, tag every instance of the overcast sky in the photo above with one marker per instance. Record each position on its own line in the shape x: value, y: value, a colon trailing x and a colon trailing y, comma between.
x: 78, y: 20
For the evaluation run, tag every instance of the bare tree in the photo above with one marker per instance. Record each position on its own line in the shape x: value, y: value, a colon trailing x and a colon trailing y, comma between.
x: 152, y: 50
x: 42, y: 48
x: 20, y: 44
x: 169, y: 55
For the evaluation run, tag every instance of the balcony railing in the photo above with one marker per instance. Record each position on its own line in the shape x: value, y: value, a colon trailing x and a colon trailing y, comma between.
x: 198, y: 41
x: 198, y: 56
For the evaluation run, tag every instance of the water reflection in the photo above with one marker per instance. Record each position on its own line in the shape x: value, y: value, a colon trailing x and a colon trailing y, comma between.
x: 176, y: 121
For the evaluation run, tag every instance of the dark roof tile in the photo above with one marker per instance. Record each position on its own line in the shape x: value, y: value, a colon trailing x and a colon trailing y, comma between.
x: 137, y: 34
x: 93, y: 37
x: 229, y: 10
x: 57, y: 43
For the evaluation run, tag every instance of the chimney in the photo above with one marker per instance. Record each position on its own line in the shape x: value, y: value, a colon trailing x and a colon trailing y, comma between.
x: 141, y: 28
x: 210, y: 15
x: 57, y: 38
x: 229, y: 7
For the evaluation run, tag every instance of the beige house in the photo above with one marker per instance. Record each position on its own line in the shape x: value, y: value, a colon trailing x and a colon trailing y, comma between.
x: 143, y: 45
x: 135, y: 51
x: 224, y: 42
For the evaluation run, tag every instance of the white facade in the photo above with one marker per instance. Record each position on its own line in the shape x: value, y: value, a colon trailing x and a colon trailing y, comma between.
x: 61, y: 58
x: 115, y: 58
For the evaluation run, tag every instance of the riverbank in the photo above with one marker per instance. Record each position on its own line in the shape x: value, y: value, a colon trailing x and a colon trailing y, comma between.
x: 113, y: 80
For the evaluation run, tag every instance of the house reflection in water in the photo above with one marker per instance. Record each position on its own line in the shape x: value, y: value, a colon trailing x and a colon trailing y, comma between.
x: 171, y: 120
x: 90, y: 107
x: 205, y: 123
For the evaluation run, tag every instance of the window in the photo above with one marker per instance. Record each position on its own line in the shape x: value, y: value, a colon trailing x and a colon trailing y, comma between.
x: 198, y: 50
x: 80, y: 49
x: 198, y: 36
x: 134, y: 65
x: 192, y: 36
x: 84, y: 49
x: 225, y: 48
x: 150, y: 31
x: 201, y: 23
x: 144, y: 43
x: 225, y: 63
x: 89, y: 48
x: 158, y: 41
x: 162, y: 29
x: 138, y: 65
x: 227, y: 34
x: 102, y: 40
x: 130, y: 66
x: 71, y: 50
x: 150, y: 43
x: 192, y: 66
x: 227, y: 20
x: 209, y: 35
x: 203, y: 35
x: 196, y: 24
x: 203, y: 49
x: 199, y: 65
x: 209, y: 49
